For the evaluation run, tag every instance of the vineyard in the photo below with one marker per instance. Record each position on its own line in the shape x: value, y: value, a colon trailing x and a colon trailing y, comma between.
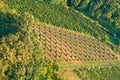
x: 59, y: 40
x: 60, y: 16
x: 71, y: 47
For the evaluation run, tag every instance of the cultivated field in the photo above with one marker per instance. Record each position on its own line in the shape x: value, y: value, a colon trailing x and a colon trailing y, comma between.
x: 71, y: 47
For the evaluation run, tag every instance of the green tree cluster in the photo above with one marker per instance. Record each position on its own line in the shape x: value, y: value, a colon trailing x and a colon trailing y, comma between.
x: 21, y: 54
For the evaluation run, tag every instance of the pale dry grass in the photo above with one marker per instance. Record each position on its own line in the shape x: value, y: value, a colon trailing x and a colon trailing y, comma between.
x: 68, y: 75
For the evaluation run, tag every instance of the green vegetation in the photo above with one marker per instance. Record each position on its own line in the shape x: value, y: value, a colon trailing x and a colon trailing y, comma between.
x: 21, y: 54
x: 59, y: 15
x: 28, y: 54
x: 101, y: 9
x: 106, y: 12
x: 107, y: 72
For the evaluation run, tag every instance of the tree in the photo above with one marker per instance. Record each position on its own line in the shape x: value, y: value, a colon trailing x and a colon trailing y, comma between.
x: 21, y: 55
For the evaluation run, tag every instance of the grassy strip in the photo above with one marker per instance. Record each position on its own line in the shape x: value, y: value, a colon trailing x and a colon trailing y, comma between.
x: 105, y: 72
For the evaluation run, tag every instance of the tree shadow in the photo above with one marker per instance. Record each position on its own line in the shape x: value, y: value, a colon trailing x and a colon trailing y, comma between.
x: 8, y: 24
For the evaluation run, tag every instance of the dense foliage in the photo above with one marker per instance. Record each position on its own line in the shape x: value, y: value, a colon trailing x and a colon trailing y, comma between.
x: 104, y: 9
x: 106, y: 12
x: 107, y: 72
x: 21, y: 54
x: 59, y: 15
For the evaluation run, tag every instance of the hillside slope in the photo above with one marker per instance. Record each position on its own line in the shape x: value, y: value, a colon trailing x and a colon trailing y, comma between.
x: 33, y: 46
x: 71, y: 50
x: 106, y: 12
x: 71, y: 47
x: 60, y: 16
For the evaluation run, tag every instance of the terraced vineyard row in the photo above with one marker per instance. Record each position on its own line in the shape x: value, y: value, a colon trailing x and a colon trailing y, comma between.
x: 67, y: 46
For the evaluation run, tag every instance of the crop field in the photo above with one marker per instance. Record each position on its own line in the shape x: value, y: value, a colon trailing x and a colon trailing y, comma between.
x: 71, y: 47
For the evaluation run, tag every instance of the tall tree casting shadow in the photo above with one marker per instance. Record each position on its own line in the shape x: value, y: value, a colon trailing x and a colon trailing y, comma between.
x: 8, y: 24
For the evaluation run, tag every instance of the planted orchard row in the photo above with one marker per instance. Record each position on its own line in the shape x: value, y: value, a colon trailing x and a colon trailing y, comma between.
x: 68, y: 46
